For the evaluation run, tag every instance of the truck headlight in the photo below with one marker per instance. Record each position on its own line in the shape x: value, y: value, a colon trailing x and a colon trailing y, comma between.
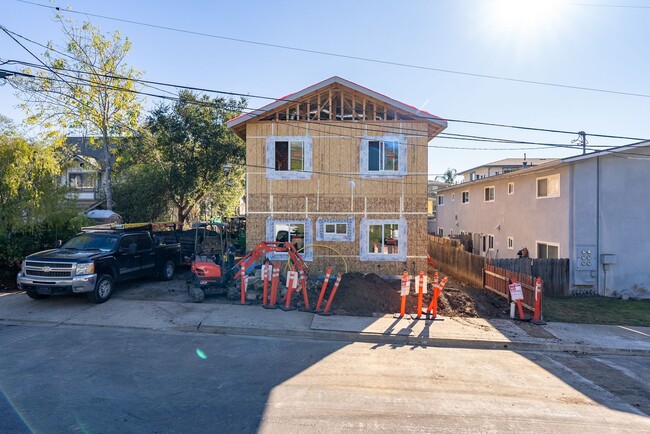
x: 85, y: 269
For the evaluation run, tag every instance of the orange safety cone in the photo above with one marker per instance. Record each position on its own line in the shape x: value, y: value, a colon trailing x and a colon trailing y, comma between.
x: 275, y: 280
x: 323, y: 288
x: 537, y: 315
x: 404, y: 291
x: 331, y: 298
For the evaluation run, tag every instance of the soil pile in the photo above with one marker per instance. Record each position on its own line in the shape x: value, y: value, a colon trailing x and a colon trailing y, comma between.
x: 364, y: 295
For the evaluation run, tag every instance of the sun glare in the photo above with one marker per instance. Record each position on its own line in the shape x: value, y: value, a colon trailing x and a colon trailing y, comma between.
x: 524, y: 17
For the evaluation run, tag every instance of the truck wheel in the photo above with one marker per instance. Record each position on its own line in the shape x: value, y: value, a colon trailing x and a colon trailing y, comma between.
x: 196, y: 294
x: 36, y: 296
x: 167, y: 270
x: 103, y: 290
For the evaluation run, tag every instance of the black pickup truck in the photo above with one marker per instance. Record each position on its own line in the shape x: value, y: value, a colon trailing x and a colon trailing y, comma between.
x: 98, y: 257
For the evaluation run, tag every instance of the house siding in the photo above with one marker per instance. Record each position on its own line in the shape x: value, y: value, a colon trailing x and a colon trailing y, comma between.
x: 336, y: 189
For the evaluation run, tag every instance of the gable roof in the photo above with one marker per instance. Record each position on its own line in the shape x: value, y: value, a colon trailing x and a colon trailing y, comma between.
x: 237, y: 124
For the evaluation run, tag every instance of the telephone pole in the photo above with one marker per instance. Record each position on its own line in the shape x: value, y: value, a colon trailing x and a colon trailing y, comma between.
x: 582, y: 140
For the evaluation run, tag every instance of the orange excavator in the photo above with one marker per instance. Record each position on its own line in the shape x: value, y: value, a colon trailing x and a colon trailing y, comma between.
x: 208, y: 277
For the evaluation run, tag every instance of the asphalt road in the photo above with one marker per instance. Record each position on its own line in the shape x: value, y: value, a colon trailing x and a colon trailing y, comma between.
x: 110, y: 380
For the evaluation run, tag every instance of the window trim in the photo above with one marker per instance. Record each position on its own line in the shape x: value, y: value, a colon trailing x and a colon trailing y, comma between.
x: 453, y: 197
x: 547, y: 243
x: 511, y: 191
x: 441, y: 232
x: 441, y: 199
x: 364, y: 251
x: 511, y: 243
x: 305, y: 173
x: 307, y: 254
x: 321, y: 235
x: 402, y: 155
x: 494, y: 195
x: 548, y: 196
x: 463, y: 197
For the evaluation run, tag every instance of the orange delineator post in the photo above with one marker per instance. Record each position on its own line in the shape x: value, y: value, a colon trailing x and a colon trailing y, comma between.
x: 437, y: 290
x: 420, y: 291
x: 265, y: 271
x: 402, y: 307
x: 331, y: 298
x: 323, y: 288
x: 275, y: 281
x: 303, y: 284
x: 292, y: 284
x: 537, y: 315
x: 243, y: 284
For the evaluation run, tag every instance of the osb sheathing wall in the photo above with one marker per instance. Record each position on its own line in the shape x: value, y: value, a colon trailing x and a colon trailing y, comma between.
x: 331, y: 194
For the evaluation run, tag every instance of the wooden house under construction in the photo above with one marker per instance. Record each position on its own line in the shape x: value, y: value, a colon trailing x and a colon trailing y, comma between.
x: 340, y: 171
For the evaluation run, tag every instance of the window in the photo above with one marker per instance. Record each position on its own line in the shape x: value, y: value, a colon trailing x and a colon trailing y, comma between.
x: 288, y: 157
x: 548, y: 250
x: 81, y: 180
x: 441, y: 233
x: 511, y: 243
x: 441, y: 199
x: 465, y: 197
x: 297, y: 232
x: 335, y: 229
x: 453, y: 197
x: 548, y: 186
x: 383, y: 240
x: 487, y: 242
x: 489, y: 194
x: 511, y: 188
x: 383, y: 156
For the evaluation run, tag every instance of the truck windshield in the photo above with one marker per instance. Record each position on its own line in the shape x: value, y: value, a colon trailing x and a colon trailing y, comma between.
x: 103, y: 242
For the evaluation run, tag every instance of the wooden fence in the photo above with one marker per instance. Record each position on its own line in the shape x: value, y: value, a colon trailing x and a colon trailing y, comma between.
x: 450, y: 257
x: 497, y: 279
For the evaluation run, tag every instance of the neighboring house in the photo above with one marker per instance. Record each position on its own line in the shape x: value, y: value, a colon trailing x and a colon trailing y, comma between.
x: 592, y: 209
x: 502, y: 166
x: 341, y: 168
x: 84, y: 177
x: 432, y: 198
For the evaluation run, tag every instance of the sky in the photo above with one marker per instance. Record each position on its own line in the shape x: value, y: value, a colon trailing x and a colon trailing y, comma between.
x: 597, y: 44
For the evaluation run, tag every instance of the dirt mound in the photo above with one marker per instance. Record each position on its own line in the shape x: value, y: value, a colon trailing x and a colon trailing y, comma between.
x: 363, y: 295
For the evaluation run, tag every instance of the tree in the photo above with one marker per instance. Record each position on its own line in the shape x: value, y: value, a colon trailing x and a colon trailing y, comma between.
x: 190, y: 143
x: 141, y: 194
x: 88, y: 92
x: 448, y: 177
x: 33, y: 209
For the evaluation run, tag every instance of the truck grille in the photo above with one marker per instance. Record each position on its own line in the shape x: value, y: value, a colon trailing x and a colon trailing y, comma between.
x: 48, y: 269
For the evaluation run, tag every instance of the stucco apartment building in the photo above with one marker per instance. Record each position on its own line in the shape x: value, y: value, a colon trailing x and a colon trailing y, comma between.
x: 592, y: 209
x: 341, y: 171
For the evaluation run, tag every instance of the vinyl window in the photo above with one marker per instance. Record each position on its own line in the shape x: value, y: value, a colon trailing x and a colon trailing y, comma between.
x: 548, y: 186
x: 465, y: 197
x: 489, y: 194
x: 548, y: 250
x: 511, y: 188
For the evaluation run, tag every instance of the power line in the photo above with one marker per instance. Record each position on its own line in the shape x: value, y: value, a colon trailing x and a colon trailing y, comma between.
x: 339, y: 55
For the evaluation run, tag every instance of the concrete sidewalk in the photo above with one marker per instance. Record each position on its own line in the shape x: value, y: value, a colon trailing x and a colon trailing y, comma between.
x: 255, y: 320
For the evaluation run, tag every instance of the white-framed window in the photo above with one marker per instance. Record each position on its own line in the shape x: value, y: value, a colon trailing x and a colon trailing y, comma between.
x: 335, y: 229
x: 548, y: 186
x: 383, y: 156
x: 465, y: 196
x: 548, y: 250
x: 489, y: 194
x: 441, y: 232
x: 298, y: 232
x: 382, y: 240
x: 511, y: 188
x: 441, y: 199
x: 487, y: 242
x: 288, y: 157
x: 81, y: 180
x: 453, y: 197
x: 511, y: 243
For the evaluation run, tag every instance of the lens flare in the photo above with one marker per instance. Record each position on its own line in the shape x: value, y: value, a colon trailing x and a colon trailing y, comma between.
x: 201, y: 354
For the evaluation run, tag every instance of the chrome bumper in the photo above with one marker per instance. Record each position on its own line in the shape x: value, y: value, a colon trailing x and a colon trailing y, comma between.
x: 77, y: 284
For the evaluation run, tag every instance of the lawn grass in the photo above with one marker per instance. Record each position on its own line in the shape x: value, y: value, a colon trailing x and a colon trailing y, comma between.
x: 597, y: 310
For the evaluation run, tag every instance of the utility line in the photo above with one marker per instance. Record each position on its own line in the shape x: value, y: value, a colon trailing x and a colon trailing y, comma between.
x: 339, y: 55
